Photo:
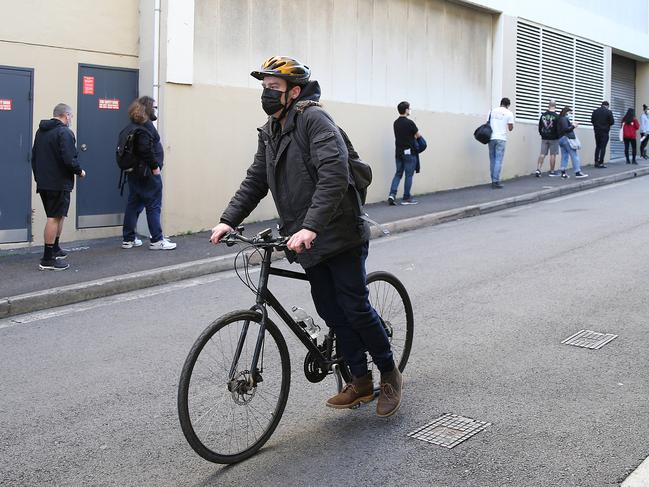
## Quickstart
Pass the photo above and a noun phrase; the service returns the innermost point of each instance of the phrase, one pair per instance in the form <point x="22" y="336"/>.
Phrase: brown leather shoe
<point x="359" y="390"/>
<point x="390" y="395"/>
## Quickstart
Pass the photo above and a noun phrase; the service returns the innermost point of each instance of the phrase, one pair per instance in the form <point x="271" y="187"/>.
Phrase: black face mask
<point x="271" y="101"/>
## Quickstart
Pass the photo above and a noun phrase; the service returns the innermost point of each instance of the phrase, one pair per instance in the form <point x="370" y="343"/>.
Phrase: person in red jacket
<point x="630" y="126"/>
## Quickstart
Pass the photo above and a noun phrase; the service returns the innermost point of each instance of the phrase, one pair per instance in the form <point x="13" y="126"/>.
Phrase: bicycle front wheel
<point x="227" y="420"/>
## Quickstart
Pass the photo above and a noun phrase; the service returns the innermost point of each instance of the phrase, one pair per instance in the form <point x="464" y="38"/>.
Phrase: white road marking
<point x="382" y="240"/>
<point x="119" y="298"/>
<point x="585" y="193"/>
<point x="518" y="208"/>
<point x="639" y="477"/>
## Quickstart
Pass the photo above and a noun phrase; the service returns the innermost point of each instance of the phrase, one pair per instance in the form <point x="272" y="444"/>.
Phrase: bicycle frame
<point x="265" y="297"/>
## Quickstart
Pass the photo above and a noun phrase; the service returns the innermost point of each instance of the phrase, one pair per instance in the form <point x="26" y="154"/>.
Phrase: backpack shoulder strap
<point x="298" y="136"/>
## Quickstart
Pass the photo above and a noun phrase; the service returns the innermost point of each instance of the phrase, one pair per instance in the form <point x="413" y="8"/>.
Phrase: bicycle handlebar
<point x="263" y="239"/>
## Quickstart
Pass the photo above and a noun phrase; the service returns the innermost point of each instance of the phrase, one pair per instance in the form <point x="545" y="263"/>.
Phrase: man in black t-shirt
<point x="405" y="135"/>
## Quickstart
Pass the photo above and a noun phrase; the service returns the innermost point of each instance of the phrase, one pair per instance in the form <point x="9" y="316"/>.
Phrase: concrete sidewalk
<point x="101" y="268"/>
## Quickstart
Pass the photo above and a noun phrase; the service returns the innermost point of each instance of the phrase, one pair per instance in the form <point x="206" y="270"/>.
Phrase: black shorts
<point x="56" y="203"/>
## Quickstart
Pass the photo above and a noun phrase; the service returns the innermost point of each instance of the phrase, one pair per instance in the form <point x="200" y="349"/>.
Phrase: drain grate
<point x="449" y="430"/>
<point x="589" y="339"/>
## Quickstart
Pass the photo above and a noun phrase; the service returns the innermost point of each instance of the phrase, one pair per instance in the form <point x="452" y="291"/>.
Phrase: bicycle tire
<point x="184" y="409"/>
<point x="406" y="322"/>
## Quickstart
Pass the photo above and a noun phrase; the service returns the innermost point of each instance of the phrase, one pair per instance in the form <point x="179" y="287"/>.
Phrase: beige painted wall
<point x="211" y="138"/>
<point x="367" y="55"/>
<point x="56" y="68"/>
<point x="207" y="152"/>
<point x="93" y="25"/>
<point x="641" y="86"/>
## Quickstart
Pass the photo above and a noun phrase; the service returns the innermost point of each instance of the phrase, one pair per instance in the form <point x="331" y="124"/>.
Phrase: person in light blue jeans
<point x="566" y="129"/>
<point x="568" y="153"/>
<point x="407" y="164"/>
<point x="496" y="156"/>
<point x="501" y="121"/>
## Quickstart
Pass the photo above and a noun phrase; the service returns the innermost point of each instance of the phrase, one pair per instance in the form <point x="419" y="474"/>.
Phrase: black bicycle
<point x="235" y="381"/>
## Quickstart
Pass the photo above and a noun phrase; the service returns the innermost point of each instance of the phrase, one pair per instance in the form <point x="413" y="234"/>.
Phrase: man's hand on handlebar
<point x="219" y="231"/>
<point x="301" y="241"/>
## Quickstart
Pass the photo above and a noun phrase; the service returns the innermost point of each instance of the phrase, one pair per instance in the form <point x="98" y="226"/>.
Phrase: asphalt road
<point x="88" y="392"/>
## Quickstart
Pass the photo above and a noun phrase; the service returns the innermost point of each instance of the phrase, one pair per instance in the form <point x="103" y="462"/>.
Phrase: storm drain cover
<point x="589" y="339"/>
<point x="448" y="430"/>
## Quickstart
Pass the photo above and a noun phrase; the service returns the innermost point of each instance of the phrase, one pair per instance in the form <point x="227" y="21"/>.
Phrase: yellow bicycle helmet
<point x="284" y="67"/>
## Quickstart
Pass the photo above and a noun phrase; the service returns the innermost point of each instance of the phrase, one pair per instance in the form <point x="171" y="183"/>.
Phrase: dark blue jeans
<point x="143" y="193"/>
<point x="339" y="290"/>
<point x="407" y="164"/>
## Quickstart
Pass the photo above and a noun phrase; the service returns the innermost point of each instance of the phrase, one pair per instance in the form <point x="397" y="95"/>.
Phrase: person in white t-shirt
<point x="501" y="121"/>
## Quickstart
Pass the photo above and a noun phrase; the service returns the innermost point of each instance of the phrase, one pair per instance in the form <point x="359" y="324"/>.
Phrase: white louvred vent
<point x="556" y="65"/>
<point x="528" y="71"/>
<point x="623" y="95"/>
<point x="589" y="79"/>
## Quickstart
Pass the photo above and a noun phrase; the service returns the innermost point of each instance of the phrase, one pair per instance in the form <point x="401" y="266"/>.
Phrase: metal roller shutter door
<point x="622" y="98"/>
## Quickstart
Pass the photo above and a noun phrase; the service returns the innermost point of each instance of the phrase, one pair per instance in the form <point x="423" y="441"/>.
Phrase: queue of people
<point x="557" y="132"/>
<point x="54" y="161"/>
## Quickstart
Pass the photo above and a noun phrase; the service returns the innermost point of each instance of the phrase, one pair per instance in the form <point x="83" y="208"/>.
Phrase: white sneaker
<point x="163" y="244"/>
<point x="129" y="245"/>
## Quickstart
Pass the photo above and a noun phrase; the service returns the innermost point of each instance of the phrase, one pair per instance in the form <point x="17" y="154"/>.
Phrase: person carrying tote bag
<point x="569" y="144"/>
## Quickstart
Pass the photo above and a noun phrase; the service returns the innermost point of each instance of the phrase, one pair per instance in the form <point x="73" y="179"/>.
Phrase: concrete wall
<point x="435" y="53"/>
<point x="367" y="54"/>
<point x="59" y="36"/>
<point x="205" y="168"/>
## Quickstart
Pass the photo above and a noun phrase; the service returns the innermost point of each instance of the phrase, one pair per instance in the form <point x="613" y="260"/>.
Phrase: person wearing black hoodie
<point x="54" y="162"/>
<point x="299" y="139"/>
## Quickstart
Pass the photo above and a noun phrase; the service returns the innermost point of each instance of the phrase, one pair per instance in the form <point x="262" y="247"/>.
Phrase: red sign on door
<point x="108" y="104"/>
<point x="88" y="85"/>
<point x="5" y="105"/>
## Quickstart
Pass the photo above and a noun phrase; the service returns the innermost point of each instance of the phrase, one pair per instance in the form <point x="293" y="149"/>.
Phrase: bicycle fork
<point x="260" y="306"/>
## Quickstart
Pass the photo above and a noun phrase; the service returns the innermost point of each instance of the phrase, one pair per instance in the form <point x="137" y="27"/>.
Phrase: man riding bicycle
<point x="322" y="216"/>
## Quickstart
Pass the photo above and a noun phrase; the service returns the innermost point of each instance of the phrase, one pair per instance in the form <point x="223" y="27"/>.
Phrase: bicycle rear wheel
<point x="388" y="296"/>
<point x="227" y="421"/>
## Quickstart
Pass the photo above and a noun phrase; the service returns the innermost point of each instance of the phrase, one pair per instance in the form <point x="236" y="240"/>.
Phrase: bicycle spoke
<point x="229" y="415"/>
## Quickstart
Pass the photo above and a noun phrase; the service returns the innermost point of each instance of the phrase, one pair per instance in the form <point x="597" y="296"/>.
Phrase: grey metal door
<point x="15" y="151"/>
<point x="104" y="96"/>
<point x="622" y="98"/>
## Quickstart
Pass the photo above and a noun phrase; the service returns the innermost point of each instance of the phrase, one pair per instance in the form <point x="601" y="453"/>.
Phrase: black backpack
<point x="125" y="156"/>
<point x="360" y="170"/>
